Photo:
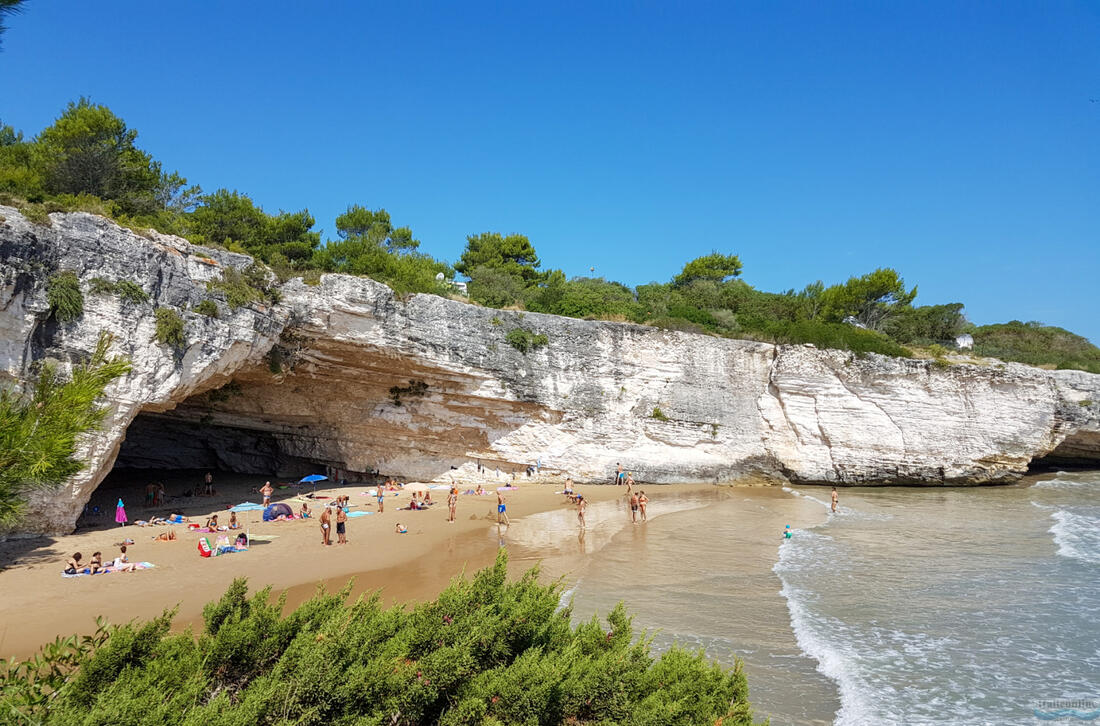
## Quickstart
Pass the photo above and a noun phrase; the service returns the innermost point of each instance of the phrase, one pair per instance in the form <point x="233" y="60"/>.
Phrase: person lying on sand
<point x="177" y="518"/>
<point x="168" y="536"/>
<point x="74" y="564"/>
<point x="401" y="529"/>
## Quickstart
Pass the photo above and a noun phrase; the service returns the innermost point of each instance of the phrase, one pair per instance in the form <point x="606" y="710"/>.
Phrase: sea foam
<point x="1077" y="534"/>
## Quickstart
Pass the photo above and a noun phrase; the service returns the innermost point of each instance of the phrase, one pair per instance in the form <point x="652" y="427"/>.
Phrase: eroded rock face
<point x="344" y="374"/>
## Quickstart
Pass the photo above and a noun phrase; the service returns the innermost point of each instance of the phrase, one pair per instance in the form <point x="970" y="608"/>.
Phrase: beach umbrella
<point x="314" y="478"/>
<point x="120" y="513"/>
<point x="246" y="507"/>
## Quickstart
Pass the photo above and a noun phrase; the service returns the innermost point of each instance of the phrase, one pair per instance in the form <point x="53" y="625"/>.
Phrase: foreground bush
<point x="486" y="652"/>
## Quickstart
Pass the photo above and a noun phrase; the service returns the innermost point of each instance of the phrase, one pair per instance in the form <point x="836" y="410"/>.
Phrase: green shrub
<point x="39" y="433"/>
<point x="1085" y="404"/>
<point x="37" y="214"/>
<point x="658" y="414"/>
<point x="1037" y="344"/>
<point x="63" y="293"/>
<point x="488" y="650"/>
<point x="524" y="340"/>
<point x="101" y="286"/>
<point x="130" y="292"/>
<point x="169" y="327"/>
<point x="208" y="308"/>
<point x="237" y="290"/>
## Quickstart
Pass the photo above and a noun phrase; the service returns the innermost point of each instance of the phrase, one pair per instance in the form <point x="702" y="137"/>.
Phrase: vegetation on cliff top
<point x="487" y="651"/>
<point x="39" y="431"/>
<point x="87" y="160"/>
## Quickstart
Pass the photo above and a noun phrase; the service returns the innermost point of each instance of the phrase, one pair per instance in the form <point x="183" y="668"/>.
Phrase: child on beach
<point x="122" y="562"/>
<point x="401" y="529"/>
<point x="304" y="512"/>
<point x="233" y="524"/>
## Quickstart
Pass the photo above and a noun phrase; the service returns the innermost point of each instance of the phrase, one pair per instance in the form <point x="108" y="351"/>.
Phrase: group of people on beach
<point x="95" y="566"/>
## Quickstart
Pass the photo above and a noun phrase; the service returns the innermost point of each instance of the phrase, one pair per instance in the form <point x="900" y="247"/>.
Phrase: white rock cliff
<point x="347" y="375"/>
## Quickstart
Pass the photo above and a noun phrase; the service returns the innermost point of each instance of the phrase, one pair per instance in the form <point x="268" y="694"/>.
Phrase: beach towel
<point x="358" y="514"/>
<point x="109" y="570"/>
<point x="120" y="513"/>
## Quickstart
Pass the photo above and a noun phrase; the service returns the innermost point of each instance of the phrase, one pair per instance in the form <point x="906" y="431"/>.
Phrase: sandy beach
<point x="37" y="604"/>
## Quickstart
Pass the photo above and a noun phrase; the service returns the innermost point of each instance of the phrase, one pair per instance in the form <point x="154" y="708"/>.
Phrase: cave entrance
<point x="1079" y="450"/>
<point x="178" y="448"/>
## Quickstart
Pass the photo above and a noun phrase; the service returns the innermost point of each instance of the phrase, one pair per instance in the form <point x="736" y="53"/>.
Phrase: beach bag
<point x="204" y="547"/>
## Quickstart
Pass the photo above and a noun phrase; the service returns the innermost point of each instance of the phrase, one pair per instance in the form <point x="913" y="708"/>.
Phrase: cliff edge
<point x="345" y="374"/>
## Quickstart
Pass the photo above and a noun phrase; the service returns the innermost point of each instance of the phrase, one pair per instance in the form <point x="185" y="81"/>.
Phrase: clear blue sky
<point x="954" y="141"/>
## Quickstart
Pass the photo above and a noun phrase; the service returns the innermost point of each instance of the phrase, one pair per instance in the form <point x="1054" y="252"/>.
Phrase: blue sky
<point x="954" y="141"/>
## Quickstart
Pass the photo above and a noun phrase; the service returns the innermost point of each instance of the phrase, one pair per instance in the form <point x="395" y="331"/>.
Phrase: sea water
<point x="909" y="606"/>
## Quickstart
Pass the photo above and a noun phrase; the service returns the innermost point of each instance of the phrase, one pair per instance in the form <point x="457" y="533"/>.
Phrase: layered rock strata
<point x="345" y="374"/>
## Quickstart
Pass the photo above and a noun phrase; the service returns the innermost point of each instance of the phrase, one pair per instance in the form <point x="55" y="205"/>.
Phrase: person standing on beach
<point x="502" y="514"/>
<point x="836" y="498"/>
<point x="208" y="485"/>
<point x="618" y="473"/>
<point x="326" y="533"/>
<point x="642" y="501"/>
<point x="267" y="491"/>
<point x="452" y="503"/>
<point x="341" y="525"/>
<point x="381" y="498"/>
<point x="634" y="508"/>
<point x="581" y="506"/>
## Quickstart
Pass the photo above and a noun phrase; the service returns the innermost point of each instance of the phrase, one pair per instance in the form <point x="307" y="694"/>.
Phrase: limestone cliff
<point x="348" y="375"/>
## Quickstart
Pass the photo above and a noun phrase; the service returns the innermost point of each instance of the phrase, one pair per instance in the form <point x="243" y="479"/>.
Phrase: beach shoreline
<point x="37" y="604"/>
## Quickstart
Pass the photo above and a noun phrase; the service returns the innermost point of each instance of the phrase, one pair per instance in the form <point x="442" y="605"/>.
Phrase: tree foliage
<point x="8" y="7"/>
<point x="232" y="220"/>
<point x="715" y="267"/>
<point x="871" y="299"/>
<point x="39" y="432"/>
<point x="513" y="254"/>
<point x="88" y="160"/>
<point x="487" y="651"/>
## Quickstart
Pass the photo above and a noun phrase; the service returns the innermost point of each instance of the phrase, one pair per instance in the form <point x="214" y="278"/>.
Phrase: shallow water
<point x="910" y="606"/>
<point x="698" y="574"/>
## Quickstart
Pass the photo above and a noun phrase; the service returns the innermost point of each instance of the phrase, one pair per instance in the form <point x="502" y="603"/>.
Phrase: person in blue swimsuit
<point x="502" y="514"/>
